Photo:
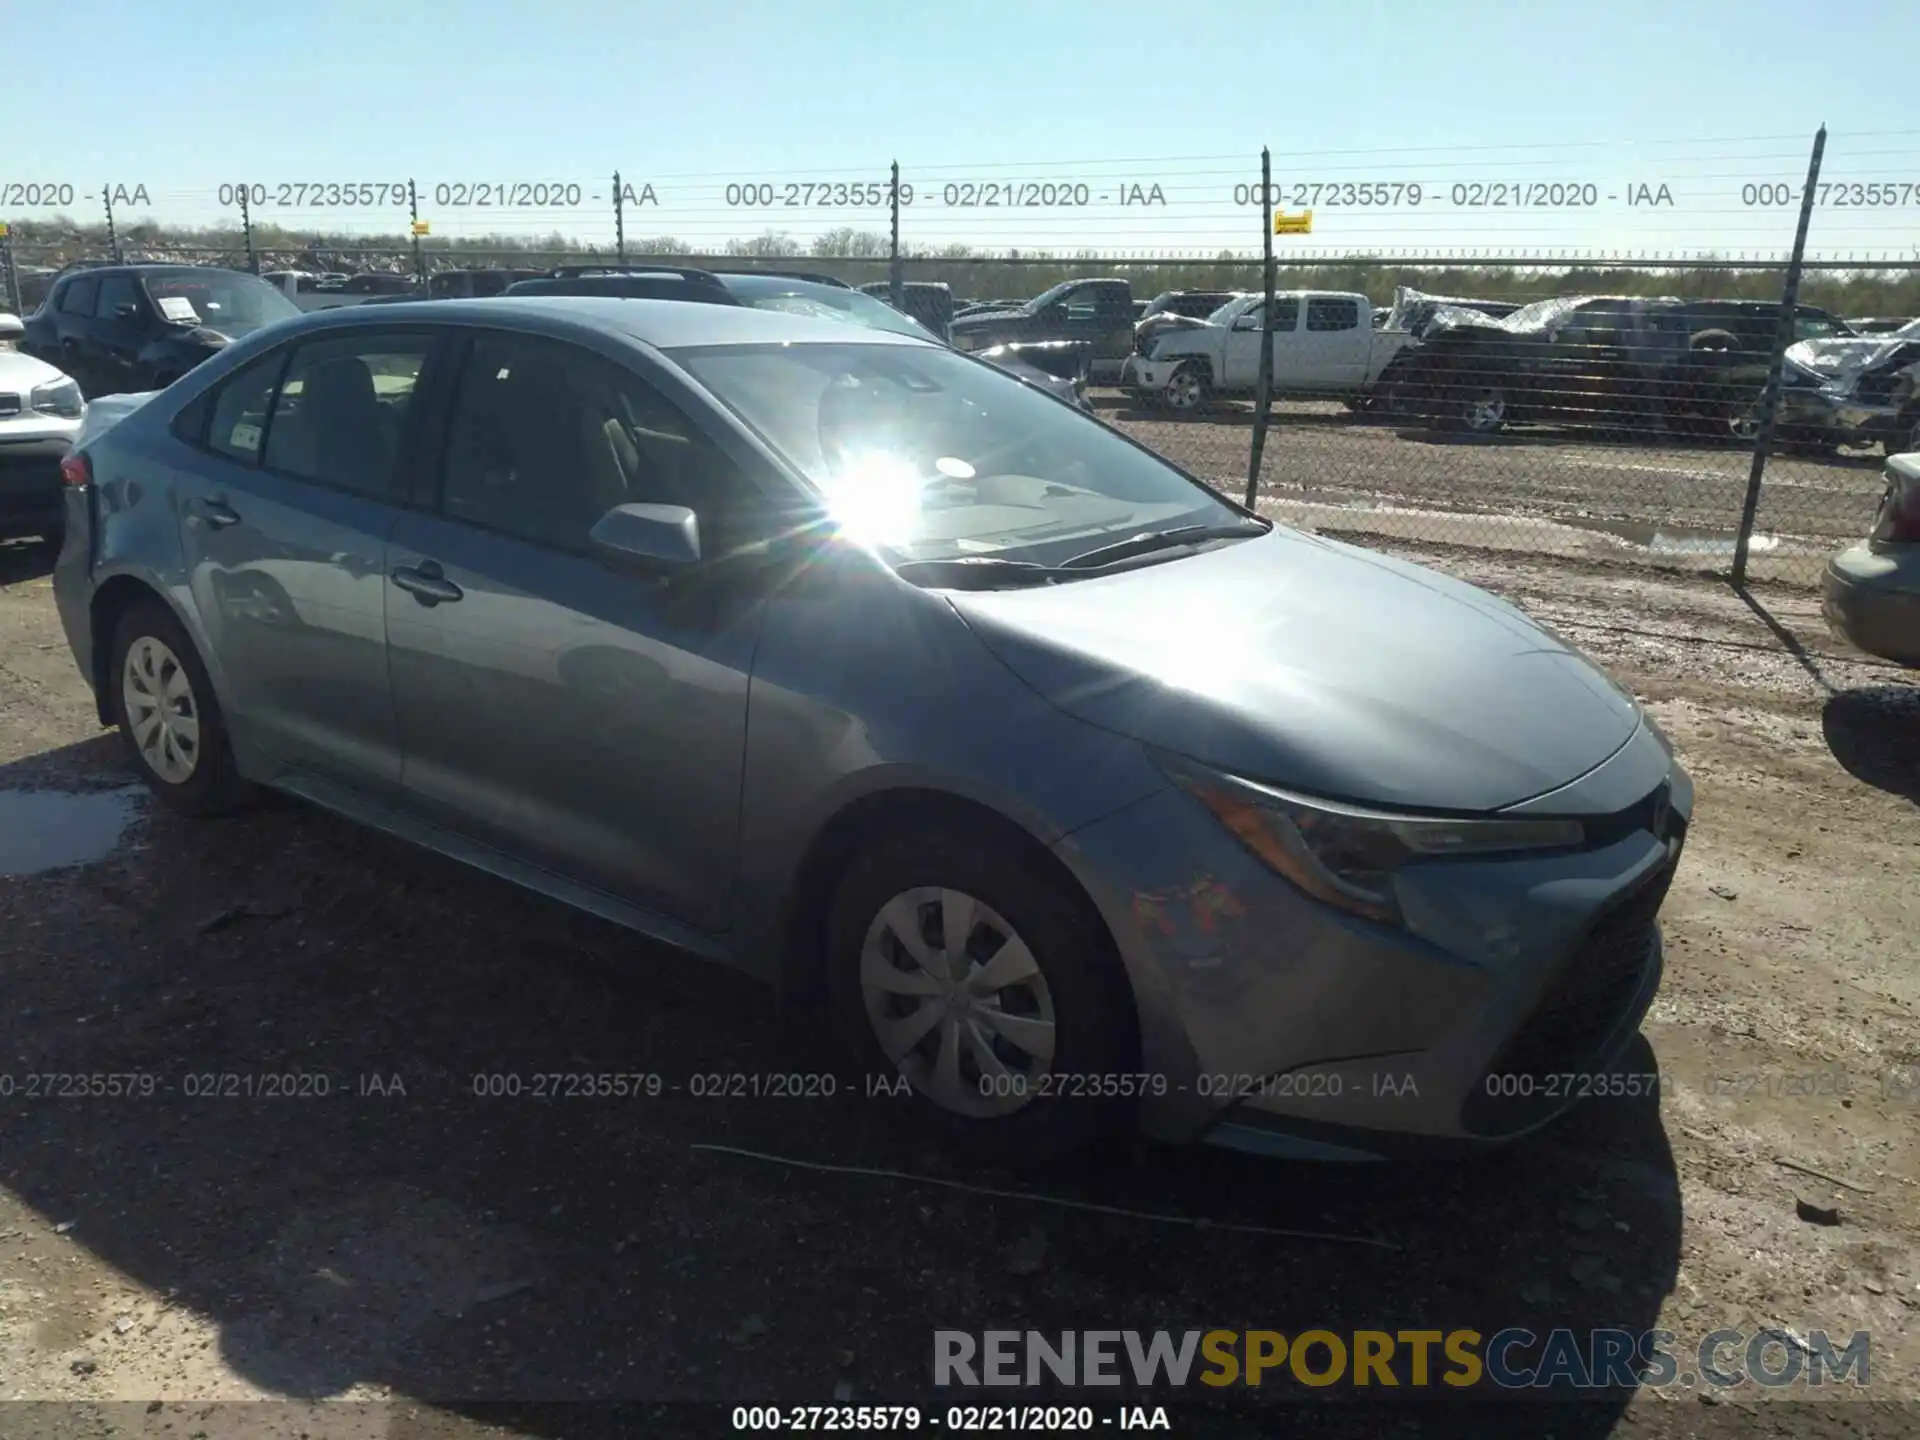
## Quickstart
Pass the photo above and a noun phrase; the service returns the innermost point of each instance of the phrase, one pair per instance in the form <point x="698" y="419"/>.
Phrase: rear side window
<point x="240" y="409"/>
<point x="78" y="297"/>
<point x="342" y="409"/>
<point x="1330" y="312"/>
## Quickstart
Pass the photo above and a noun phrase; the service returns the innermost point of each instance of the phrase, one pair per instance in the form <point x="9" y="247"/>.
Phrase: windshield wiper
<point x="1147" y="541"/>
<point x="978" y="572"/>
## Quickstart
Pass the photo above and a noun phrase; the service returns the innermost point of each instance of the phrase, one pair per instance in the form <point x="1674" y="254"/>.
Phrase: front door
<point x="284" y="526"/>
<point x="1241" y="363"/>
<point x="563" y="711"/>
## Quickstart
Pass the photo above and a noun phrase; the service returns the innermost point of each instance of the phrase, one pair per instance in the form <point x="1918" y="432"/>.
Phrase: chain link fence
<point x="1639" y="353"/>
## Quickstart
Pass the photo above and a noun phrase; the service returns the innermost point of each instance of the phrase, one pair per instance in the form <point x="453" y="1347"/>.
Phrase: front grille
<point x="1583" y="1005"/>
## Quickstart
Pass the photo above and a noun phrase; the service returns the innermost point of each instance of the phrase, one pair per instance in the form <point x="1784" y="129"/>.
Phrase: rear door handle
<point x="216" y="513"/>
<point x="426" y="583"/>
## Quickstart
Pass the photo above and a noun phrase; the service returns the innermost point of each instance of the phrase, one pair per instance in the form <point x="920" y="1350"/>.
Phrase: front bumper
<point x="1270" y="1022"/>
<point x="1871" y="599"/>
<point x="1836" y="417"/>
<point x="31" y="493"/>
<point x="1148" y="376"/>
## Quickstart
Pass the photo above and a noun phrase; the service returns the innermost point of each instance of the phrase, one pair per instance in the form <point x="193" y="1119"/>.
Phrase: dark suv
<point x="118" y="328"/>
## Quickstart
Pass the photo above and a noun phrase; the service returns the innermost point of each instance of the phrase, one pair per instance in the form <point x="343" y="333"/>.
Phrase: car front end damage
<point x="1489" y="994"/>
<point x="1846" y="392"/>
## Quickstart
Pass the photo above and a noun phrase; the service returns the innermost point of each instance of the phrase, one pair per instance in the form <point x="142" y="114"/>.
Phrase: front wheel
<point x="974" y="979"/>
<point x="167" y="714"/>
<point x="1186" y="389"/>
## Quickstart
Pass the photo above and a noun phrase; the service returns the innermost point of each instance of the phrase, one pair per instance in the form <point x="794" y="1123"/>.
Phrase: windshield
<point x="935" y="456"/>
<point x="1225" y="313"/>
<point x="1053" y="296"/>
<point x="222" y="300"/>
<point x="825" y="302"/>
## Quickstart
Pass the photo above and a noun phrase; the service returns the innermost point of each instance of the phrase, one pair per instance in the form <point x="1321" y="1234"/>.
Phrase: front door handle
<point x="426" y="584"/>
<point x="216" y="513"/>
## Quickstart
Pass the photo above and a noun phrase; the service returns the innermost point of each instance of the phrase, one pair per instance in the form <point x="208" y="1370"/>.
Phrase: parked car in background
<point x="1880" y="324"/>
<point x="928" y="301"/>
<point x="1099" y="312"/>
<point x="1614" y="363"/>
<point x="1058" y="368"/>
<point x="1175" y="310"/>
<point x="831" y="654"/>
<point x="1872" y="593"/>
<point x="117" y="328"/>
<point x="475" y="283"/>
<point x="1413" y="310"/>
<point x="40" y="413"/>
<point x="1324" y="345"/>
<point x="1854" y="390"/>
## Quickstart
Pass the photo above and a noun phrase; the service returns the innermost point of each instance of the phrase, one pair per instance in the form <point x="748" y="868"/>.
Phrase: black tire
<point x="214" y="786"/>
<point x="1092" y="1005"/>
<point x="1713" y="340"/>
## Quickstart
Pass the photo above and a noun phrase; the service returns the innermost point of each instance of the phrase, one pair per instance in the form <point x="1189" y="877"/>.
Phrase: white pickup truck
<point x="1324" y="346"/>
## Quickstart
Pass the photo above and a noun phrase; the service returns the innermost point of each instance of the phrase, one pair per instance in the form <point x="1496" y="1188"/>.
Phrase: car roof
<point x="666" y="324"/>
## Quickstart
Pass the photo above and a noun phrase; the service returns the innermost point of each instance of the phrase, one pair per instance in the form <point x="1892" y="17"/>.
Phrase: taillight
<point x="76" y="470"/>
<point x="1899" y="517"/>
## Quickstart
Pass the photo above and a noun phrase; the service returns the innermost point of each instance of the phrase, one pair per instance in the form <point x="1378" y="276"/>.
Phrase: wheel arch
<point x="848" y="831"/>
<point x="111" y="599"/>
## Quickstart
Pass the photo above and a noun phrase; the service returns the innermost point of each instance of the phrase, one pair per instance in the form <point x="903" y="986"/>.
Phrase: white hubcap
<point x="1183" y="390"/>
<point x="958" y="1002"/>
<point x="161" y="711"/>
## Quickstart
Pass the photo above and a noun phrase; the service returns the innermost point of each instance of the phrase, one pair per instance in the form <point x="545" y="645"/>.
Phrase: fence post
<point x="619" y="221"/>
<point x="413" y="216"/>
<point x="1770" y="396"/>
<point x="246" y="229"/>
<point x="1263" y="392"/>
<point x="113" y="236"/>
<point x="895" y="279"/>
<point x="8" y="274"/>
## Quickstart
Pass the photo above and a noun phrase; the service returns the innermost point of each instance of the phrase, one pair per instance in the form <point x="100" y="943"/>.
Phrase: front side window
<point x="240" y="409"/>
<point x="116" y="291"/>
<point x="1286" y="312"/>
<point x="934" y="456"/>
<point x="547" y="437"/>
<point x="342" y="408"/>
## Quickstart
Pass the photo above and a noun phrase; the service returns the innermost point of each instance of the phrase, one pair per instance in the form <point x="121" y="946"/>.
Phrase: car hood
<point x="1847" y="358"/>
<point x="20" y="373"/>
<point x="1319" y="667"/>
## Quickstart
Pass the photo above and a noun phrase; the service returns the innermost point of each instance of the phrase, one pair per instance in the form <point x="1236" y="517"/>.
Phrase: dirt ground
<point x="402" y="1257"/>
<point x="1574" y="493"/>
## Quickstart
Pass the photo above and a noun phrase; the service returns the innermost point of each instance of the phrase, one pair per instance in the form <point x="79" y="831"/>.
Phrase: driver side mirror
<point x="125" y="311"/>
<point x="1246" y="322"/>
<point x="648" y="539"/>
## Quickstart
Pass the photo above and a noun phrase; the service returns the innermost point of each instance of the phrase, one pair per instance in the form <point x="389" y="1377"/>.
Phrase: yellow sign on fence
<point x="1301" y="224"/>
<point x="421" y="227"/>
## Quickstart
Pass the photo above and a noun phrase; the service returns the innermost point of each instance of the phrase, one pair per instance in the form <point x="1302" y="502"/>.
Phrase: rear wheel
<point x="975" y="978"/>
<point x="1483" y="408"/>
<point x="168" y="717"/>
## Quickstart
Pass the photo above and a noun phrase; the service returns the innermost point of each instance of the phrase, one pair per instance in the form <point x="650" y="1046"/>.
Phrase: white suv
<point x="40" y="414"/>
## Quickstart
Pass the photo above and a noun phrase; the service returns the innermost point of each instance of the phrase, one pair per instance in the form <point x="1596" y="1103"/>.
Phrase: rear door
<point x="284" y="524"/>
<point x="73" y="349"/>
<point x="123" y="323"/>
<point x="1334" y="339"/>
<point x="570" y="714"/>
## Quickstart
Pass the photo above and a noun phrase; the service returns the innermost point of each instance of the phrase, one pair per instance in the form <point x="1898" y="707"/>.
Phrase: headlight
<point x="58" y="397"/>
<point x="1346" y="855"/>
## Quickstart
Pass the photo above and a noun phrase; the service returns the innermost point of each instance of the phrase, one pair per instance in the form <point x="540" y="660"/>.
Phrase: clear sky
<point x="1708" y="99"/>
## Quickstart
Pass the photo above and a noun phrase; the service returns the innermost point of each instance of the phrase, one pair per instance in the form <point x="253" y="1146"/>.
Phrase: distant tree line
<point x="860" y="256"/>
